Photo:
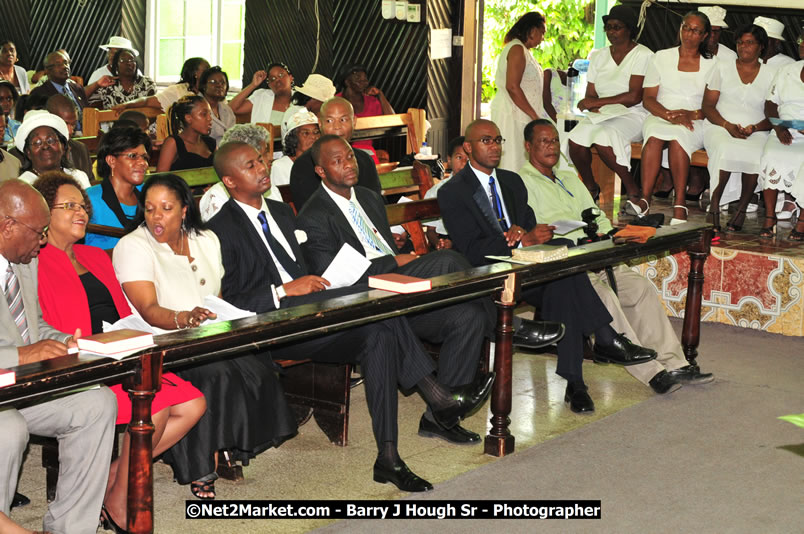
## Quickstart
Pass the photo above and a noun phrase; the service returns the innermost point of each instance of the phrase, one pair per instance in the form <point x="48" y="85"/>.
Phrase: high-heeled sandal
<point x="731" y="226"/>
<point x="795" y="234"/>
<point x="674" y="221"/>
<point x="108" y="523"/>
<point x="768" y="232"/>
<point x="633" y="208"/>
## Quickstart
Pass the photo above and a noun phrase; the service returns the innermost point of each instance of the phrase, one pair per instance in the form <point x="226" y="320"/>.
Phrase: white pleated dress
<point x="742" y="104"/>
<point x="677" y="90"/>
<point x="782" y="166"/>
<point x="611" y="79"/>
<point x="509" y="118"/>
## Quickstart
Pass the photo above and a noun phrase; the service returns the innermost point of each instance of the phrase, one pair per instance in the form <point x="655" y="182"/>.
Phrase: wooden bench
<point x="141" y="374"/>
<point x="610" y="184"/>
<point x="92" y="119"/>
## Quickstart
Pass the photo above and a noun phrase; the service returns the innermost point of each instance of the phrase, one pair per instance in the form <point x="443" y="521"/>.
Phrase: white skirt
<point x="617" y="132"/>
<point x="782" y="166"/>
<point x="690" y="141"/>
<point x="727" y="153"/>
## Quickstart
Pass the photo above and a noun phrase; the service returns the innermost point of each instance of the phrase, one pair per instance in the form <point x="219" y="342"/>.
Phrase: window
<point x="181" y="29"/>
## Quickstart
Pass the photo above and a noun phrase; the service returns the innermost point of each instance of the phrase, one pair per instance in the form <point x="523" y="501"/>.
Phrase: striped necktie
<point x="494" y="198"/>
<point x="15" y="306"/>
<point x="370" y="238"/>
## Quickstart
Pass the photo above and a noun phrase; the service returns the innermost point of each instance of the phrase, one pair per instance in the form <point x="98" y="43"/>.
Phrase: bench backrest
<point x="92" y="118"/>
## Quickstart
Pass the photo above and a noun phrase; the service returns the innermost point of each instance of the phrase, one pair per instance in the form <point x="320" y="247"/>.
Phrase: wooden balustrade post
<point x="499" y="440"/>
<point x="141" y="389"/>
<point x="691" y="331"/>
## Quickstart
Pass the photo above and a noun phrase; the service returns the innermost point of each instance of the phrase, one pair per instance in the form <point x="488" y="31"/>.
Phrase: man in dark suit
<point x="265" y="270"/>
<point x="78" y="153"/>
<point x="82" y="422"/>
<point x="336" y="117"/>
<point x="339" y="212"/>
<point x="57" y="66"/>
<point x="486" y="212"/>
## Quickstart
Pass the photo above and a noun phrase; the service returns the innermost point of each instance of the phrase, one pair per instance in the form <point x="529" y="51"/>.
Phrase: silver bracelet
<point x="176" y="319"/>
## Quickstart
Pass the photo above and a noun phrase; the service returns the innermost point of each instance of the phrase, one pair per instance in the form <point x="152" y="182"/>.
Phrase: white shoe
<point x="785" y="215"/>
<point x="676" y="222"/>
<point x="632" y="208"/>
<point x="752" y="208"/>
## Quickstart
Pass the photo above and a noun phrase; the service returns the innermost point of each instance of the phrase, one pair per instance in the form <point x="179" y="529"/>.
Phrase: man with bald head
<point x="78" y="153"/>
<point x="265" y="271"/>
<point x="83" y="422"/>
<point x="486" y="212"/>
<point x="57" y="66"/>
<point x="336" y="117"/>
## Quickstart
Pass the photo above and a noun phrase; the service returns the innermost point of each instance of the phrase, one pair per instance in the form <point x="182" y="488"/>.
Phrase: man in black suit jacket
<point x="460" y="328"/>
<point x="479" y="228"/>
<point x="265" y="270"/>
<point x="58" y="82"/>
<point x="336" y="117"/>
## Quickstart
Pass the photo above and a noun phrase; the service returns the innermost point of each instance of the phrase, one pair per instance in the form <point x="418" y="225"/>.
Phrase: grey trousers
<point x="638" y="313"/>
<point x="83" y="423"/>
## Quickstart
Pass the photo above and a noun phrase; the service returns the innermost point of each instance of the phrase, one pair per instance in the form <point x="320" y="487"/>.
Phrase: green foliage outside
<point x="797" y="419"/>
<point x="568" y="36"/>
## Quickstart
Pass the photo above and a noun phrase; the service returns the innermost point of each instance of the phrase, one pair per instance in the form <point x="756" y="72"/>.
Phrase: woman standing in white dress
<point x="736" y="128"/>
<point x="782" y="165"/>
<point x="673" y="91"/>
<point x="614" y="85"/>
<point x="519" y="80"/>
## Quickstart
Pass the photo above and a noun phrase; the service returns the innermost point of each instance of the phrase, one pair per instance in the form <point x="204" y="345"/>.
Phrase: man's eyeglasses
<point x="41" y="233"/>
<point x="72" y="206"/>
<point x="487" y="140"/>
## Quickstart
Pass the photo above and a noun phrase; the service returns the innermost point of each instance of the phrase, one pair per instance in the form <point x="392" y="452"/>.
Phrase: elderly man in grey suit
<point x="83" y="422"/>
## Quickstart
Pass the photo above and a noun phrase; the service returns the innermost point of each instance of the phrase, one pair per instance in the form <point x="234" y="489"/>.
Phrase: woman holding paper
<point x="167" y="266"/>
<point x="78" y="289"/>
<point x="614" y="100"/>
<point x="783" y="159"/>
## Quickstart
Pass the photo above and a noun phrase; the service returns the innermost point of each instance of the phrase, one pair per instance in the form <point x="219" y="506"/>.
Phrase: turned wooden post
<point x="141" y="389"/>
<point x="499" y="440"/>
<point x="691" y="331"/>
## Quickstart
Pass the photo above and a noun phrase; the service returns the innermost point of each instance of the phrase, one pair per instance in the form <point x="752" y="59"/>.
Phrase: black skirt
<point x="246" y="413"/>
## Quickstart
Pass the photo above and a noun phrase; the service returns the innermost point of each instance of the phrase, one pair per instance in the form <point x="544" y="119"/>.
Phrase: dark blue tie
<point x="288" y="263"/>
<point x="495" y="203"/>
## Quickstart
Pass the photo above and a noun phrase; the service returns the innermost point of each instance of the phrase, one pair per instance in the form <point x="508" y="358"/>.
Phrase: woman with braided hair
<point x="189" y="145"/>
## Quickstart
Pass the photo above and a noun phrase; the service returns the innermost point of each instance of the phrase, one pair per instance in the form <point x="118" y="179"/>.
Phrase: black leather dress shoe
<point x="691" y="374"/>
<point x="623" y="352"/>
<point x="538" y="334"/>
<point x="400" y="476"/>
<point x="19" y="500"/>
<point x="457" y="434"/>
<point x="467" y="399"/>
<point x="662" y="382"/>
<point x="579" y="399"/>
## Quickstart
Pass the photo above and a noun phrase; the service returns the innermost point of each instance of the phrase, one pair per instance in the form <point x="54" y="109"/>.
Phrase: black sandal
<point x="768" y="232"/>
<point x="107" y="523"/>
<point x="731" y="226"/>
<point x="204" y="485"/>
<point x="796" y="235"/>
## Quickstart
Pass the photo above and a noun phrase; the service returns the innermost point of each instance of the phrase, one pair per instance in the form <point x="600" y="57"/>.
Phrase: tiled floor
<point x="749" y="281"/>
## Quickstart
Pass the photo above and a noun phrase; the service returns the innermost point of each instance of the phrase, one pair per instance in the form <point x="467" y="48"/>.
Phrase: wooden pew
<point x="610" y="184"/>
<point x="142" y="373"/>
<point x="92" y="118"/>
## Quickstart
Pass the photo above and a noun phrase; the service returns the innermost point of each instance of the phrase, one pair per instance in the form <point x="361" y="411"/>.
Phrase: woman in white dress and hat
<point x="519" y="80"/>
<point x="614" y="85"/>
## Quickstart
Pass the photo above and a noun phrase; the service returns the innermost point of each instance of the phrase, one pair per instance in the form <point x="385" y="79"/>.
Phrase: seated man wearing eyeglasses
<point x="637" y="311"/>
<point x="486" y="212"/>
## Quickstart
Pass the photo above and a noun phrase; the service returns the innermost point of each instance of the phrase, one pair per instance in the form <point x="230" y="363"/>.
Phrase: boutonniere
<point x="301" y="236"/>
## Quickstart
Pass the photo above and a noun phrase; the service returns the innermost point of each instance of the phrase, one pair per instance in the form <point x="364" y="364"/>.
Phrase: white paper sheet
<point x="607" y="112"/>
<point x="346" y="268"/>
<point x="566" y="226"/>
<point x="224" y="310"/>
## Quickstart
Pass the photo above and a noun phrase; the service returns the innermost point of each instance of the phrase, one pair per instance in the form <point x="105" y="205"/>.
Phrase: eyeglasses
<point x="129" y="60"/>
<point x="279" y="76"/>
<point x="308" y="133"/>
<point x="71" y="206"/>
<point x="41" y="233"/>
<point x="487" y="140"/>
<point x="749" y="42"/>
<point x="133" y="156"/>
<point x="216" y="82"/>
<point x="690" y="29"/>
<point x="613" y="27"/>
<point x="49" y="141"/>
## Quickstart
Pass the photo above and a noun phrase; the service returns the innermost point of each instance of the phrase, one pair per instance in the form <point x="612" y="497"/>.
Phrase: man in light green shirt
<point x="637" y="311"/>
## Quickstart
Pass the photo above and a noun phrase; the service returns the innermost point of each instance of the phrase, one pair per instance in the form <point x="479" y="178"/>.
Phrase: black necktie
<point x="288" y="263"/>
<point x="495" y="203"/>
